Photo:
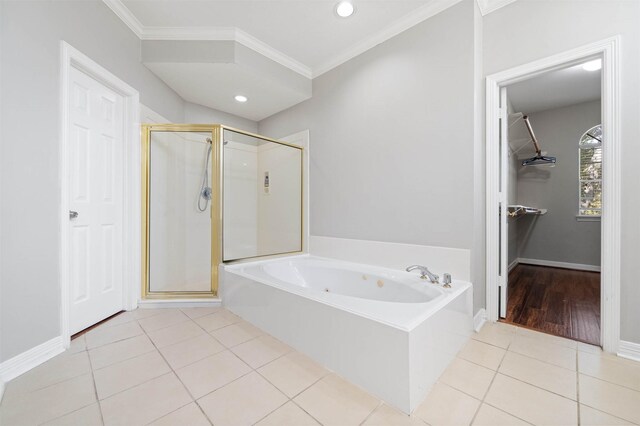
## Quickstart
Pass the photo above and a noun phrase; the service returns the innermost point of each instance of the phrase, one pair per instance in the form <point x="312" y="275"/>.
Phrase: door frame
<point x="73" y="58"/>
<point x="609" y="50"/>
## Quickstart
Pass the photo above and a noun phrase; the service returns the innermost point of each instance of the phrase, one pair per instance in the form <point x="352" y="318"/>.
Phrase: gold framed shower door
<point x="217" y="155"/>
<point x="216" y="207"/>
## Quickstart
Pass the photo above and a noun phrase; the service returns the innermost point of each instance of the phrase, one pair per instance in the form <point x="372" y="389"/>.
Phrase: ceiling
<point x="301" y="37"/>
<point x="308" y="31"/>
<point x="555" y="89"/>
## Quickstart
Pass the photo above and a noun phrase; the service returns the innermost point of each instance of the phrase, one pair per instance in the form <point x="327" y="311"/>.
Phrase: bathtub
<point x="387" y="331"/>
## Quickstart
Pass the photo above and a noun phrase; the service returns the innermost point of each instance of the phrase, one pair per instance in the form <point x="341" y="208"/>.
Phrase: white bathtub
<point x="388" y="331"/>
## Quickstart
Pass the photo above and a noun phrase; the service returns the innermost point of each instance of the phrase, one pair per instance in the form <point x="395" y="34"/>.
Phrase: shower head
<point x="209" y="141"/>
<point x="540" y="160"/>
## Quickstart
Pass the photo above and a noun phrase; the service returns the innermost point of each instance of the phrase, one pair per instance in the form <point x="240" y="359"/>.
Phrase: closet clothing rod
<point x="533" y="136"/>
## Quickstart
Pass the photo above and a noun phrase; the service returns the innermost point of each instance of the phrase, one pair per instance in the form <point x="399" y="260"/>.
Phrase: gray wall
<point x="557" y="235"/>
<point x="31" y="33"/>
<point x="198" y="114"/>
<point x="528" y="30"/>
<point x="392" y="137"/>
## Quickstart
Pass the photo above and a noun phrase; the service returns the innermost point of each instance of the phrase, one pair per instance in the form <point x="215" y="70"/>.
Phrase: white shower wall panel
<point x="279" y="209"/>
<point x="240" y="214"/>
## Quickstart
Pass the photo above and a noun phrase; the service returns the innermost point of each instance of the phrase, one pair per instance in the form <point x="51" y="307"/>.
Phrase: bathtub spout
<point x="424" y="273"/>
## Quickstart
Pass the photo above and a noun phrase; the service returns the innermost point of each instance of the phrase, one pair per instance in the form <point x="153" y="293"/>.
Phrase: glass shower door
<point x="181" y="196"/>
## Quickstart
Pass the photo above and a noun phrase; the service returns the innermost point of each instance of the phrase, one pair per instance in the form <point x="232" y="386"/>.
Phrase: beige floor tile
<point x="610" y="368"/>
<point x="334" y="401"/>
<point x="104" y="336"/>
<point x="217" y="320"/>
<point x="260" y="351"/>
<point x="175" y="333"/>
<point x="446" y="406"/>
<point x="121" y="318"/>
<point x="191" y="350"/>
<point x="120" y="351"/>
<point x="141" y="313"/>
<point x="194" y="313"/>
<point x="57" y="369"/>
<point x="542" y="350"/>
<point x="612" y="399"/>
<point x="242" y="402"/>
<point x="146" y="402"/>
<point x="592" y="349"/>
<point x="127" y="374"/>
<point x="385" y="415"/>
<point x="212" y="373"/>
<point x="491" y="416"/>
<point x="468" y="377"/>
<point x="162" y="320"/>
<point x="235" y="334"/>
<point x="497" y="334"/>
<point x="482" y="353"/>
<point x="288" y="415"/>
<point x="293" y="373"/>
<point x="592" y="417"/>
<point x="530" y="403"/>
<point x="78" y="344"/>
<point x="48" y="403"/>
<point x="541" y="374"/>
<point x="557" y="340"/>
<point x="87" y="416"/>
<point x="189" y="415"/>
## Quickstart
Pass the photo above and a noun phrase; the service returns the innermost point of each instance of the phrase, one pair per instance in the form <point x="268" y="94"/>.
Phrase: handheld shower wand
<point x="205" y="189"/>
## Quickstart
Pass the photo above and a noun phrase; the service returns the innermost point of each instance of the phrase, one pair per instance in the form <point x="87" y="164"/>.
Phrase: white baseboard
<point x="179" y="303"/>
<point x="19" y="364"/>
<point x="479" y="319"/>
<point x="629" y="350"/>
<point x="554" y="264"/>
<point x="512" y="264"/>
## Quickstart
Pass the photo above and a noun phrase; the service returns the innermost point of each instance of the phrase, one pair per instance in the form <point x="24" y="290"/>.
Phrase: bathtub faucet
<point x="424" y="273"/>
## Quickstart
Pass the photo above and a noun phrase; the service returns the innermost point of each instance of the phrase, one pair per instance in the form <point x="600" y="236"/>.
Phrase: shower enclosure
<point x="214" y="194"/>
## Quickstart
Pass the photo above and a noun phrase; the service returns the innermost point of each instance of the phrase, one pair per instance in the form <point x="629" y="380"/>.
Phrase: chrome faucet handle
<point x="447" y="281"/>
<point x="424" y="273"/>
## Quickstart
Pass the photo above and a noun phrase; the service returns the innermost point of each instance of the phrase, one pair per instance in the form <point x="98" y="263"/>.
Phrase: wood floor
<point x="557" y="301"/>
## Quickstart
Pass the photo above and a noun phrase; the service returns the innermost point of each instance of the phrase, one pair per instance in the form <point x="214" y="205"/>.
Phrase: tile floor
<point x="206" y="366"/>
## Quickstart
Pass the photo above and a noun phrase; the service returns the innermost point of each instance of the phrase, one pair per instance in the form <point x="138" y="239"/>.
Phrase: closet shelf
<point x="518" y="210"/>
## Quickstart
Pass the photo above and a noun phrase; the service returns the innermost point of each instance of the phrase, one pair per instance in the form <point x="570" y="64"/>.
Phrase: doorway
<point x="553" y="171"/>
<point x="99" y="201"/>
<point x="531" y="277"/>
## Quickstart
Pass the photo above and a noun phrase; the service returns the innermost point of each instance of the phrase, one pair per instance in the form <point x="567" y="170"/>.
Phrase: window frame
<point x="580" y="216"/>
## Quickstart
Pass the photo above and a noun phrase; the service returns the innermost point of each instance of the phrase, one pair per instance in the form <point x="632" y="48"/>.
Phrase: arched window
<point x="590" y="172"/>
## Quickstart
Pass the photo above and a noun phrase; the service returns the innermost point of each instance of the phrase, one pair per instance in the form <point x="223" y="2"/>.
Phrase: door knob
<point x="72" y="214"/>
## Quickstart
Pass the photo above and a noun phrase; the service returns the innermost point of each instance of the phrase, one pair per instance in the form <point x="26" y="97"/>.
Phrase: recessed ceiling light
<point x="592" y="65"/>
<point x="241" y="98"/>
<point x="344" y="9"/>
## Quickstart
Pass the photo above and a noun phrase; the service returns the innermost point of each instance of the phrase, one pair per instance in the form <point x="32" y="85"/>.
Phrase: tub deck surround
<point x="387" y="331"/>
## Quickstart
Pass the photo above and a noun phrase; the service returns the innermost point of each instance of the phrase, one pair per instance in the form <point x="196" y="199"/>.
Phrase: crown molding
<point x="126" y="16"/>
<point x="234" y="34"/>
<point x="421" y="14"/>
<point x="205" y="33"/>
<point x="264" y="49"/>
<point x="189" y="33"/>
<point x="488" y="6"/>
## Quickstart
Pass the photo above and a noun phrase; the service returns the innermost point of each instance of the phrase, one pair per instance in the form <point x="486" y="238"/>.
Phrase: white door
<point x="95" y="201"/>
<point x="503" y="268"/>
